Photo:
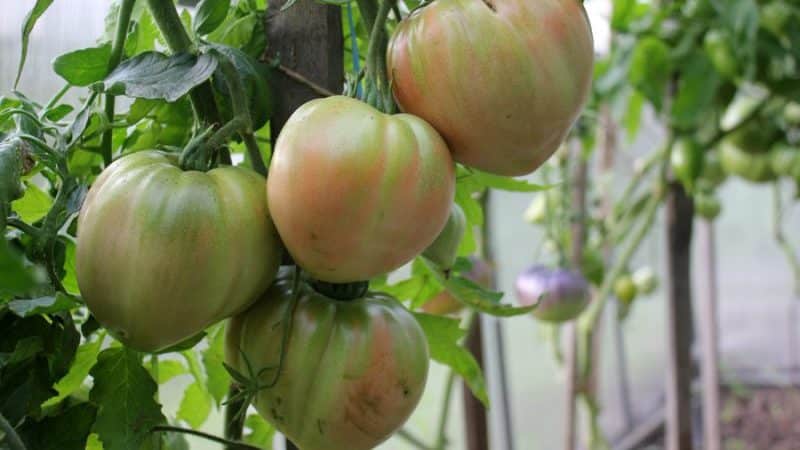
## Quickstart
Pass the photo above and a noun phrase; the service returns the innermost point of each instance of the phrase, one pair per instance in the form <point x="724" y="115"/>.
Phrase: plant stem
<point x="234" y="421"/>
<point x="59" y="95"/>
<point x="210" y="437"/>
<point x="441" y="436"/>
<point x="11" y="436"/>
<point x="202" y="97"/>
<point x="780" y="238"/>
<point x="24" y="227"/>
<point x="117" y="49"/>
<point x="303" y="80"/>
<point x="411" y="439"/>
<point x="241" y="110"/>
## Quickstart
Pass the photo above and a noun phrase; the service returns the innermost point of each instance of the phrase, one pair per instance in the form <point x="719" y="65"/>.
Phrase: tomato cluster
<point x="351" y="193"/>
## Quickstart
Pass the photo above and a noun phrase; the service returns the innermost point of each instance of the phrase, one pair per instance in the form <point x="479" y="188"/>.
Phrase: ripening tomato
<point x="352" y="371"/>
<point x="356" y="193"/>
<point x="560" y="295"/>
<point x="163" y="253"/>
<point x="502" y="80"/>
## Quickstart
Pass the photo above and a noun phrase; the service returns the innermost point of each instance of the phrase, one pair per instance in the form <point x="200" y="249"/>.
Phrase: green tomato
<point x="775" y="15"/>
<point x="687" y="162"/>
<point x="719" y="50"/>
<point x="541" y="204"/>
<point x="707" y="205"/>
<point x="645" y="280"/>
<point x="162" y="253"/>
<point x="791" y="113"/>
<point x="713" y="174"/>
<point x="444" y="250"/>
<point x="352" y="371"/>
<point x="625" y="289"/>
<point x="786" y="161"/>
<point x="755" y="167"/>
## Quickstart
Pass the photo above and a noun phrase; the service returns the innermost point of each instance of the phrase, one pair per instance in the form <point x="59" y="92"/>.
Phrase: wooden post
<point x="306" y="38"/>
<point x="680" y="215"/>
<point x="709" y="337"/>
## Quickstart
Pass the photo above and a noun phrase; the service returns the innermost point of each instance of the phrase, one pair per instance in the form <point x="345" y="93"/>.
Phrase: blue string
<point x="354" y="46"/>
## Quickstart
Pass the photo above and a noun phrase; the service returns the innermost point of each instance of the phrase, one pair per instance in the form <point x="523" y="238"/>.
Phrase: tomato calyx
<point x="341" y="291"/>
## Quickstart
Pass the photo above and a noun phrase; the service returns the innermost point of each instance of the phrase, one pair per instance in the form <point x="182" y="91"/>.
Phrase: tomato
<point x="560" y="294"/>
<point x="356" y="193"/>
<point x="698" y="9"/>
<point x="502" y="80"/>
<point x="687" y="162"/>
<point x="707" y="205"/>
<point x="352" y="373"/>
<point x="163" y="253"/>
<point x="756" y="167"/>
<point x="712" y="174"/>
<point x="444" y="303"/>
<point x="444" y="250"/>
<point x="786" y="161"/>
<point x="775" y="15"/>
<point x="645" y="280"/>
<point x="719" y="50"/>
<point x="625" y="289"/>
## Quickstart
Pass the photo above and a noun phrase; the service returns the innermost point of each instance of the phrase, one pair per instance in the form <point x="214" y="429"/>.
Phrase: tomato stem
<point x="341" y="291"/>
<point x="169" y="23"/>
<point x="11" y="436"/>
<point x="117" y="50"/>
<point x="207" y="436"/>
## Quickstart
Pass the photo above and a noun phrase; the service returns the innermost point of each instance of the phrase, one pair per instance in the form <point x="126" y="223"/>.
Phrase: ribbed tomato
<point x="356" y="193"/>
<point x="163" y="253"/>
<point x="352" y="373"/>
<point x="502" y="80"/>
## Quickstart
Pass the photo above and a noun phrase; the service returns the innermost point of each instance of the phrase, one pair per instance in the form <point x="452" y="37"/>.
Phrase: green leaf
<point x="195" y="405"/>
<point x="154" y="75"/>
<point x="210" y="15"/>
<point x="124" y="393"/>
<point x="66" y="431"/>
<point x="33" y="205"/>
<point x="697" y="89"/>
<point x="167" y="370"/>
<point x="651" y="69"/>
<point x="507" y="183"/>
<point x="11" y="166"/>
<point x="59" y="112"/>
<point x="43" y="305"/>
<point x="85" y="359"/>
<point x="476" y="297"/>
<point x="15" y="278"/>
<point x="93" y="442"/>
<point x="85" y="66"/>
<point x="239" y="32"/>
<point x="27" y="26"/>
<point x="260" y="432"/>
<point x="443" y="335"/>
<point x="217" y="378"/>
<point x="632" y="119"/>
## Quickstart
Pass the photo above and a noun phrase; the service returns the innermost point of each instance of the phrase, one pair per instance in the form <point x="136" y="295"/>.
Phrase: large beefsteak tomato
<point x="351" y="372"/>
<point x="356" y="193"/>
<point x="502" y="80"/>
<point x="163" y="253"/>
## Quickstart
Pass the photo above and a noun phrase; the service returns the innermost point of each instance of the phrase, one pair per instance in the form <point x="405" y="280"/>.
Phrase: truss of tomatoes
<point x="351" y="193"/>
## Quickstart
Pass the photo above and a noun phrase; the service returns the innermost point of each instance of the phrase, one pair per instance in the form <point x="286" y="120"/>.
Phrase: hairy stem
<point x="117" y="49"/>
<point x="411" y="439"/>
<point x="234" y="421"/>
<point x="11" y="436"/>
<point x="441" y="436"/>
<point x="231" y="444"/>
<point x="202" y="97"/>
